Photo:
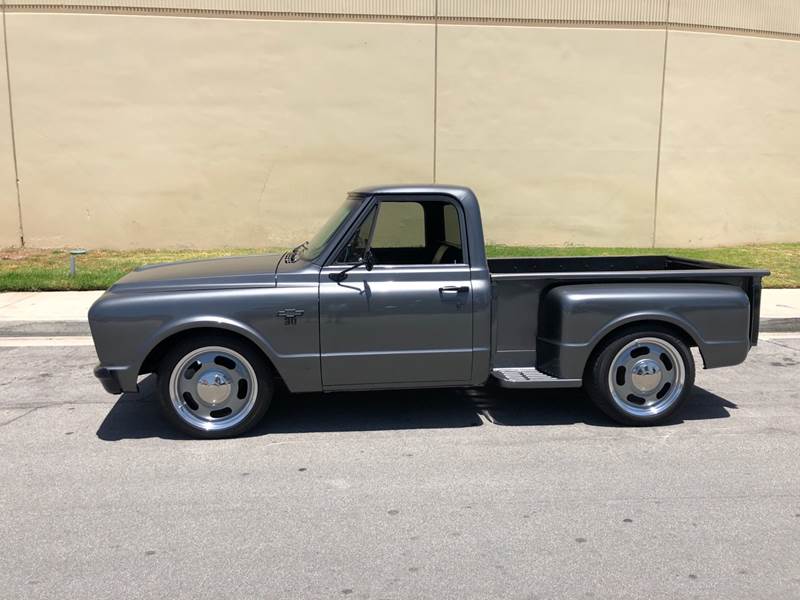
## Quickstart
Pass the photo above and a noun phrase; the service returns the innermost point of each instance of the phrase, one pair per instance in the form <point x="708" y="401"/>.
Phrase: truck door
<point x="409" y="320"/>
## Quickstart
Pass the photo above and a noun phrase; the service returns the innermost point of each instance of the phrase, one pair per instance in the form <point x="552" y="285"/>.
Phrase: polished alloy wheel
<point x="213" y="388"/>
<point x="646" y="377"/>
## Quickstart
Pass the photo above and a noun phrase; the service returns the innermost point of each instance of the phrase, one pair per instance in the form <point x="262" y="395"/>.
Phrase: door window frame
<point x="375" y="202"/>
<point x="350" y="233"/>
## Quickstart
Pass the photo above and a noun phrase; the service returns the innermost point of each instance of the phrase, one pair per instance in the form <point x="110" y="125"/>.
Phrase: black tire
<point x="606" y="391"/>
<point x="255" y="405"/>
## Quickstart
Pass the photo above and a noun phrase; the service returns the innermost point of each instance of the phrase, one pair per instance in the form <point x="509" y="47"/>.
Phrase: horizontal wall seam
<point x="391" y="18"/>
<point x="216" y="13"/>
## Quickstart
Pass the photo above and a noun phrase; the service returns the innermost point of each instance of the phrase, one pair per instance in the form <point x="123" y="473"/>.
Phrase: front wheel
<point x="214" y="386"/>
<point x="641" y="376"/>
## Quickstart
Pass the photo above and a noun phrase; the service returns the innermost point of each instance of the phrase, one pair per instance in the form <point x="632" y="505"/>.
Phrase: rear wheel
<point x="641" y="376"/>
<point x="214" y="386"/>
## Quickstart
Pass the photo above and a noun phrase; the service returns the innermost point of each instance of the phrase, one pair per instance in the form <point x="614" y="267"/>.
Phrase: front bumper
<point x="109" y="379"/>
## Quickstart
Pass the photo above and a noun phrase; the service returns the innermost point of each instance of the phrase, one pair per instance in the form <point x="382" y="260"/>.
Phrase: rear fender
<point x="574" y="319"/>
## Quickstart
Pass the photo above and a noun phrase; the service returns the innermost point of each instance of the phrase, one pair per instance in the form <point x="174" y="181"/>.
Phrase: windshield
<point x="318" y="243"/>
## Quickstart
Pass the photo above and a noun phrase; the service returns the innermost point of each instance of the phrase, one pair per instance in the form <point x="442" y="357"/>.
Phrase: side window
<point x="408" y="232"/>
<point x="355" y="248"/>
<point x="447" y="247"/>
<point x="400" y="225"/>
<point x="452" y="231"/>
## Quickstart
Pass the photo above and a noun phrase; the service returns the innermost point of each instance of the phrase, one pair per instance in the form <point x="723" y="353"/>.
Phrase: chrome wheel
<point x="213" y="388"/>
<point x="646" y="377"/>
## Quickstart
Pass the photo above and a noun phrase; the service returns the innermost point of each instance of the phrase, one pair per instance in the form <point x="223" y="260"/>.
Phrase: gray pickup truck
<point x="395" y="291"/>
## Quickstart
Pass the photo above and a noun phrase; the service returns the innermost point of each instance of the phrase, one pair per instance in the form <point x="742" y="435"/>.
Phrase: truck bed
<point x="521" y="283"/>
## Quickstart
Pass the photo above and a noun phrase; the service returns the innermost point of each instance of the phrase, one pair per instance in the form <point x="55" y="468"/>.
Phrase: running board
<point x="530" y="377"/>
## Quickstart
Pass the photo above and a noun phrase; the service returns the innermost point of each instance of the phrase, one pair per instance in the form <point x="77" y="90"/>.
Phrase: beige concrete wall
<point x="145" y="131"/>
<point x="730" y="158"/>
<point x="555" y="128"/>
<point x="167" y="130"/>
<point x="9" y="214"/>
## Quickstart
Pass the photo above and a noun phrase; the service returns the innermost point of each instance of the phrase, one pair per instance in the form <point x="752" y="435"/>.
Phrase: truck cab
<point x="422" y="310"/>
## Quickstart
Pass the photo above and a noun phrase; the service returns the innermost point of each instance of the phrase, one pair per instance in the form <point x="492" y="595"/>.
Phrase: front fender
<point x="574" y="319"/>
<point x="176" y="327"/>
<point x="127" y="327"/>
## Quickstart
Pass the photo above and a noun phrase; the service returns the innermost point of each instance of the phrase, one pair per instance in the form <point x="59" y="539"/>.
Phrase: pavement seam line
<point x="772" y="341"/>
<point x="18" y="417"/>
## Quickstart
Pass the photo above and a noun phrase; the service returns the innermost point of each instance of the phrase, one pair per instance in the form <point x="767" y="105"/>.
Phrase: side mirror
<point x="367" y="261"/>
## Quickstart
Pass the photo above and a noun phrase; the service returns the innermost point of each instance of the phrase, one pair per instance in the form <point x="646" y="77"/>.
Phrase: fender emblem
<point x="290" y="315"/>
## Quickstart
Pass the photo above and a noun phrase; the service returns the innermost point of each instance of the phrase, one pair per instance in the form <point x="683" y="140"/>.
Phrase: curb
<point x="78" y="328"/>
<point x="780" y="325"/>
<point x="43" y="328"/>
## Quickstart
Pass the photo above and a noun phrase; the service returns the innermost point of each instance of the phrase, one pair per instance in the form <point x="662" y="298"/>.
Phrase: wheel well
<point x="665" y="326"/>
<point x="155" y="355"/>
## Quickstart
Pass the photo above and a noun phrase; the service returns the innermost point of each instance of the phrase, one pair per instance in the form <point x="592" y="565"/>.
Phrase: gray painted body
<point x="394" y="327"/>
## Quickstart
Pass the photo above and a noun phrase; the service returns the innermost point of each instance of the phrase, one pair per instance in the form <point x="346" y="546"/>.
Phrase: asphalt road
<point x="444" y="494"/>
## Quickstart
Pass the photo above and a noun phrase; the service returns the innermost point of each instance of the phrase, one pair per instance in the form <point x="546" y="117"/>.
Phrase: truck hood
<point x="214" y="273"/>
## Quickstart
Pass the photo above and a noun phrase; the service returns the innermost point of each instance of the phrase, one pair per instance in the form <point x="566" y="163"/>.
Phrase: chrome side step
<point x="530" y="377"/>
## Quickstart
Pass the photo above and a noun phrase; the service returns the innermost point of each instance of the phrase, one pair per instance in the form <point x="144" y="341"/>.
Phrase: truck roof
<point x="422" y="188"/>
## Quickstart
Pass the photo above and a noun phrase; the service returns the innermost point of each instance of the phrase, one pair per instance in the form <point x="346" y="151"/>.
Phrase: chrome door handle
<point x="454" y="289"/>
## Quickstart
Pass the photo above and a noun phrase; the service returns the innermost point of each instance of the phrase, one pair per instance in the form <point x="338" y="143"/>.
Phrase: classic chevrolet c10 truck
<point x="395" y="291"/>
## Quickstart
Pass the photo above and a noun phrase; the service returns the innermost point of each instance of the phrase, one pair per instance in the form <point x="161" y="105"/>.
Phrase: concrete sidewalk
<point x="64" y="313"/>
<point x="45" y="313"/>
<point x="46" y="306"/>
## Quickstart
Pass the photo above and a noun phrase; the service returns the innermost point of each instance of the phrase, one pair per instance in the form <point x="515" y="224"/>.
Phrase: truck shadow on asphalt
<point x="137" y="416"/>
